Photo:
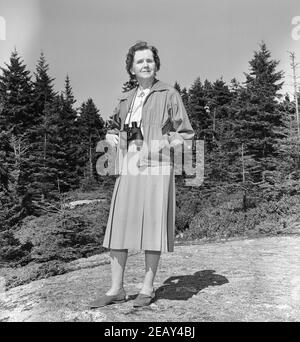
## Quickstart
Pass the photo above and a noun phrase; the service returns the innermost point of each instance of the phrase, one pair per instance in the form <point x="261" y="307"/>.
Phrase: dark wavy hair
<point x="138" y="46"/>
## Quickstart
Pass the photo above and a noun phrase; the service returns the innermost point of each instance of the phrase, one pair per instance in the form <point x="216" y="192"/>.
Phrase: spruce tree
<point x="17" y="113"/>
<point x="185" y="98"/>
<point x="42" y="175"/>
<point x="286" y="177"/>
<point x="68" y="133"/>
<point x="198" y="116"/>
<point x="218" y="98"/>
<point x="91" y="132"/>
<point x="218" y="101"/>
<point x="259" y="117"/>
<point x="177" y="87"/>
<point x="16" y="119"/>
<point x="42" y="86"/>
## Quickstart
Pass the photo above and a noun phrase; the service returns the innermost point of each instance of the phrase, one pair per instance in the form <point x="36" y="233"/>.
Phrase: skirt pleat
<point x="142" y="211"/>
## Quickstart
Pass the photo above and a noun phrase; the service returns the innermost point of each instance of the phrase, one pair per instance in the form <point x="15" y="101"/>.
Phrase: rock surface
<point x="74" y="204"/>
<point x="245" y="280"/>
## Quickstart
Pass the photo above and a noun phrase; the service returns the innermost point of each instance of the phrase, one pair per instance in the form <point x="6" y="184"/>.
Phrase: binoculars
<point x="129" y="134"/>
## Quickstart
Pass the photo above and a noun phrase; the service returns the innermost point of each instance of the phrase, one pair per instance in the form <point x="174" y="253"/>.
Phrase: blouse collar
<point x="157" y="86"/>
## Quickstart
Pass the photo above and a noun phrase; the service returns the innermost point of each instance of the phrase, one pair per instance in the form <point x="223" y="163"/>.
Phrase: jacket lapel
<point x="129" y="96"/>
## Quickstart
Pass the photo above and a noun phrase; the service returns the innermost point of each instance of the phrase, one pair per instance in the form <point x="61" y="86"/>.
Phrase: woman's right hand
<point x="112" y="139"/>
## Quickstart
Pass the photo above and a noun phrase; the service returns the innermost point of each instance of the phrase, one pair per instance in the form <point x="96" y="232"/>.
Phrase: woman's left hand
<point x="175" y="142"/>
<point x="163" y="143"/>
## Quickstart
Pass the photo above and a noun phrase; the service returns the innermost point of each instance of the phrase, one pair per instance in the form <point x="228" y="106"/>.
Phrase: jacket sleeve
<point x="115" y="122"/>
<point x="181" y="128"/>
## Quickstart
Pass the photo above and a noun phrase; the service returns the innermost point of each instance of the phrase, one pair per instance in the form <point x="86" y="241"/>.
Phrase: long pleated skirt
<point x="142" y="210"/>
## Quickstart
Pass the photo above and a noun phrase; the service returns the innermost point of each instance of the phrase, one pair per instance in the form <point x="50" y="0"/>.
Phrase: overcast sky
<point x="89" y="39"/>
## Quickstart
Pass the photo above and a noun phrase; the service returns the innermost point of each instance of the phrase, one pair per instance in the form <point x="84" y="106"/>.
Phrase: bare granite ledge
<point x="241" y="280"/>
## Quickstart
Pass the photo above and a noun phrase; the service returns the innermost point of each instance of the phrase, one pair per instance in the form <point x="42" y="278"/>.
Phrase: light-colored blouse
<point x="135" y="112"/>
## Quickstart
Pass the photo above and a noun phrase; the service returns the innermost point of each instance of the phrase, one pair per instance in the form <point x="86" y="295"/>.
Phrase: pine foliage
<point x="47" y="148"/>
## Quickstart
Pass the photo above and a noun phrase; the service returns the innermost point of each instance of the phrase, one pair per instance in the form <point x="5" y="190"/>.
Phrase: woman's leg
<point x="151" y="261"/>
<point x="118" y="262"/>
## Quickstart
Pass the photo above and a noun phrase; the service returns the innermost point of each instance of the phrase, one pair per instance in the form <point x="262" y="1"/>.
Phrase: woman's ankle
<point x="114" y="291"/>
<point x="148" y="290"/>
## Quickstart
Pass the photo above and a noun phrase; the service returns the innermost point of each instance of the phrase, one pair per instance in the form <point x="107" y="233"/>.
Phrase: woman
<point x="142" y="212"/>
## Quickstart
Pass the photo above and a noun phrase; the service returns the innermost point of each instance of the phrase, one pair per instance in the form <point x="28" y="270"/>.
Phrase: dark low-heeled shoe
<point x="143" y="300"/>
<point x="107" y="300"/>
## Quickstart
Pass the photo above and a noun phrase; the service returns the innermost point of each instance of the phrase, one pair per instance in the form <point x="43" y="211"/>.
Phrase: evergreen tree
<point x="259" y="117"/>
<point x="218" y="99"/>
<point x="16" y="119"/>
<point x="185" y="97"/>
<point x="234" y="88"/>
<point x="177" y="87"/>
<point x="197" y="114"/>
<point x="48" y="158"/>
<point x="208" y="89"/>
<point x="68" y="133"/>
<point x="42" y="175"/>
<point x="286" y="177"/>
<point x="42" y="87"/>
<point x="221" y="94"/>
<point x="263" y="82"/>
<point x="16" y="92"/>
<point x="91" y="132"/>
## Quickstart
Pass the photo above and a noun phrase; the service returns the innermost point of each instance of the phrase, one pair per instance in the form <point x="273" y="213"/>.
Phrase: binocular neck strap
<point x="132" y="105"/>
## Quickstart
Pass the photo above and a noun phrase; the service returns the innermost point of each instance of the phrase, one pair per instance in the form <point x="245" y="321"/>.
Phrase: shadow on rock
<point x="185" y="286"/>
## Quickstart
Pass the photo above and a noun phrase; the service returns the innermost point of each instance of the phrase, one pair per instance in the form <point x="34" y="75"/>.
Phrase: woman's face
<point x="143" y="65"/>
